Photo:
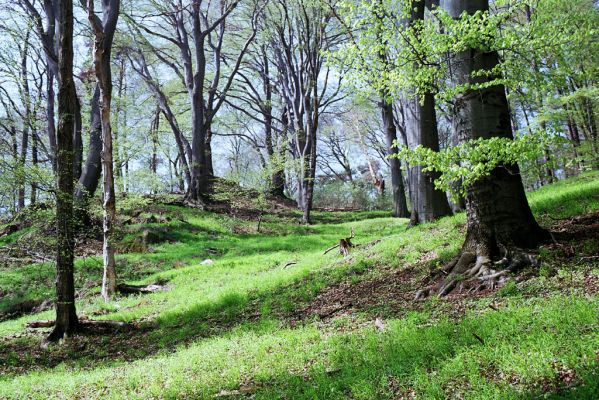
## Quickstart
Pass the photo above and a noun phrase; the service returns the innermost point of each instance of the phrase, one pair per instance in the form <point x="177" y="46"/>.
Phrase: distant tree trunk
<point x="92" y="170"/>
<point x="77" y="141"/>
<point x="121" y="89"/>
<point x="28" y="119"/>
<point x="50" y="117"/>
<point x="104" y="33"/>
<point x="428" y="203"/>
<point x="140" y="66"/>
<point x="400" y="205"/>
<point x="34" y="162"/>
<point x="499" y="217"/>
<point x="154" y="137"/>
<point x="66" y="316"/>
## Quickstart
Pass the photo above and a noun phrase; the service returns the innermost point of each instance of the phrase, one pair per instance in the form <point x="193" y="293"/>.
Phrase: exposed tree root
<point x="85" y="324"/>
<point x="476" y="272"/>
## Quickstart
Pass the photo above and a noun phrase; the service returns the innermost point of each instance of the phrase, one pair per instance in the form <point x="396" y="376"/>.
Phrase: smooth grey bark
<point x="428" y="203"/>
<point x="104" y="30"/>
<point x="27" y="118"/>
<point x="499" y="216"/>
<point x="66" y="316"/>
<point x="92" y="169"/>
<point x="400" y="206"/>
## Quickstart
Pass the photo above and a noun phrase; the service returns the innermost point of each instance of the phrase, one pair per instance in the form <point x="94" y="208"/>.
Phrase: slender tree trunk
<point x="121" y="89"/>
<point x="154" y="137"/>
<point x="34" y="162"/>
<point x="104" y="33"/>
<point x="66" y="316"/>
<point x="499" y="216"/>
<point x="400" y="204"/>
<point x="50" y="117"/>
<point x="77" y="141"/>
<point x="27" y="122"/>
<point x="109" y="218"/>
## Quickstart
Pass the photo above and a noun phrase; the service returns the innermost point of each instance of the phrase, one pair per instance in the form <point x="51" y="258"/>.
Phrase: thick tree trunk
<point x="400" y="205"/>
<point x="199" y="185"/>
<point x="66" y="317"/>
<point x="499" y="217"/>
<point x="428" y="203"/>
<point x="307" y="176"/>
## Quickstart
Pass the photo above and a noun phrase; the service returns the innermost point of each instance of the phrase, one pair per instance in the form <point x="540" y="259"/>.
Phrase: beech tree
<point x="301" y="32"/>
<point x="428" y="203"/>
<point x="500" y="222"/>
<point x="199" y="32"/>
<point x="255" y="96"/>
<point x="66" y="316"/>
<point x="104" y="34"/>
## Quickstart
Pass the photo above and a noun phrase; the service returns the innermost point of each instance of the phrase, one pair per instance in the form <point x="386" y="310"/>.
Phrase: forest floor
<point x="265" y="315"/>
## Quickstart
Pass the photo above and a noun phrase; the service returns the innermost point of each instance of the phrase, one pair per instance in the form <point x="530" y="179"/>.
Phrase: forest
<point x="299" y="199"/>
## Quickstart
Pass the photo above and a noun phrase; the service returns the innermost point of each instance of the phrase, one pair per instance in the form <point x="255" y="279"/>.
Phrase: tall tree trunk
<point x="499" y="218"/>
<point x="27" y="122"/>
<point x="34" y="162"/>
<point x="400" y="205"/>
<point x="154" y="137"/>
<point x="50" y="117"/>
<point x="104" y="33"/>
<point x="428" y="203"/>
<point x="66" y="316"/>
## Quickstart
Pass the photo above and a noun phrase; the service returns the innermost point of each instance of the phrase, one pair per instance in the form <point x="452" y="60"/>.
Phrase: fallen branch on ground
<point x="129" y="289"/>
<point x="83" y="323"/>
<point x="343" y="245"/>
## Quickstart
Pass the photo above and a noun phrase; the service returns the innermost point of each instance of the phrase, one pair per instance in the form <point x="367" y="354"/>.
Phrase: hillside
<point x="243" y="313"/>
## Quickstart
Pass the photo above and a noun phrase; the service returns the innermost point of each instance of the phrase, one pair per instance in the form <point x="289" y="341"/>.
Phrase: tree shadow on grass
<point x="443" y="361"/>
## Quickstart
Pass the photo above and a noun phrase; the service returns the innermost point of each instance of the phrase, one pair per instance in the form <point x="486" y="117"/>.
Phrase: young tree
<point x="104" y="34"/>
<point x="500" y="221"/>
<point x="66" y="316"/>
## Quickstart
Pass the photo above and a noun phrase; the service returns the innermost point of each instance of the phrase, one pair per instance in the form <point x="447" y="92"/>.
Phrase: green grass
<point x="228" y="328"/>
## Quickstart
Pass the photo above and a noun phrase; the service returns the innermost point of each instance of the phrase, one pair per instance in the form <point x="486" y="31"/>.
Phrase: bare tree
<point x="306" y="82"/>
<point x="254" y="95"/>
<point x="198" y="32"/>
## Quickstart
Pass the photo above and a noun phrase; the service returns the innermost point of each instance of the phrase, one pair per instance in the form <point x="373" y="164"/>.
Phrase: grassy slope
<point x="224" y="328"/>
